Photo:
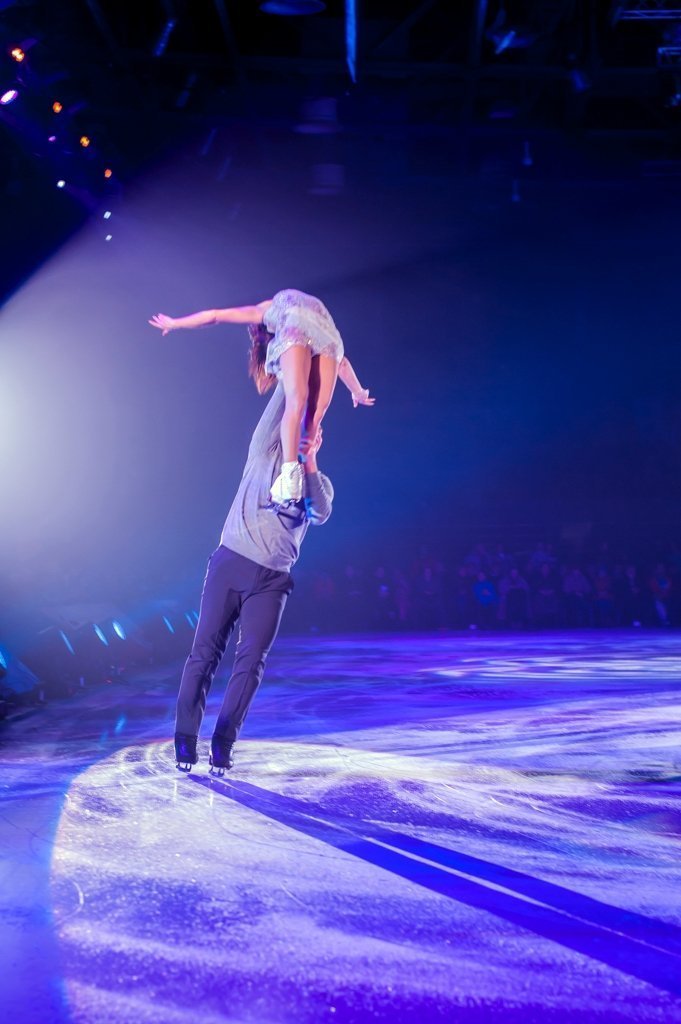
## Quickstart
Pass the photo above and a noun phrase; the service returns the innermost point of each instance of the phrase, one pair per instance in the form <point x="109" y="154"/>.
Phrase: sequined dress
<point x="295" y="318"/>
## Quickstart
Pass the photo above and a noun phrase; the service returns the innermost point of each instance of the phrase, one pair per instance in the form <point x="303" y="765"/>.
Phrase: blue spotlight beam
<point x="351" y="37"/>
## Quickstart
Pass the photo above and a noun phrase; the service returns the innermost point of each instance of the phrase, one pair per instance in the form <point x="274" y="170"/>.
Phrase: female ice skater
<point x="295" y="341"/>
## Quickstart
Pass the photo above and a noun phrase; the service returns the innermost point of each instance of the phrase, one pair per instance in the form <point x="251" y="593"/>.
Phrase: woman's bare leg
<point x="295" y="366"/>
<point x="322" y="381"/>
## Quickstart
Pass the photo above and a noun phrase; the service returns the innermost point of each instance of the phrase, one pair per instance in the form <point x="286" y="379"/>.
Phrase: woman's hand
<point x="361" y="397"/>
<point x="163" y="322"/>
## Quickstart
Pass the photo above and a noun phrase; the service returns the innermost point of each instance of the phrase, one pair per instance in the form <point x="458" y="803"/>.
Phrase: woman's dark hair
<point x="257" y="353"/>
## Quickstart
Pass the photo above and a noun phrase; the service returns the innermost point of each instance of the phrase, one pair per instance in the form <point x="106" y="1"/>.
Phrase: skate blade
<point x="216" y="772"/>
<point x="184" y="766"/>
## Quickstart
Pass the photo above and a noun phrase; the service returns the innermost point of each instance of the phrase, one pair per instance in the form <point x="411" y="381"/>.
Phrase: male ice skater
<point x="248" y="579"/>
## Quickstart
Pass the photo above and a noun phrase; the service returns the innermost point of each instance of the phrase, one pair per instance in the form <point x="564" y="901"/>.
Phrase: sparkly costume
<point x="295" y="318"/>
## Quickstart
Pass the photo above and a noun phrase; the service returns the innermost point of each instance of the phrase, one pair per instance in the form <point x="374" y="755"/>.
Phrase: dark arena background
<point x="457" y="796"/>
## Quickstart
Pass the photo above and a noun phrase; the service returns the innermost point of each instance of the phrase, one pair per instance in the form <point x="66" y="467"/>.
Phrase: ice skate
<point x="185" y="751"/>
<point x="288" y="487"/>
<point x="220" y="756"/>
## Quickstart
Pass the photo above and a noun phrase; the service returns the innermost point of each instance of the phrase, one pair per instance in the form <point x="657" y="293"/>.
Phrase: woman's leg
<point x="295" y="366"/>
<point x="322" y="381"/>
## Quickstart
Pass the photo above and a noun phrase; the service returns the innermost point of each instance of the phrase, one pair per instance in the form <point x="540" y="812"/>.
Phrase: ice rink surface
<point x="417" y="828"/>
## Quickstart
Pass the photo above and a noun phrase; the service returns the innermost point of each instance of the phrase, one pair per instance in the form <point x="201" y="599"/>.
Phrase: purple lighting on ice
<point x="394" y="830"/>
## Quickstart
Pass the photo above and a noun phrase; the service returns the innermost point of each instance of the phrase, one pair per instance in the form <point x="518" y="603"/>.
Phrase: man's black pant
<point x="235" y="588"/>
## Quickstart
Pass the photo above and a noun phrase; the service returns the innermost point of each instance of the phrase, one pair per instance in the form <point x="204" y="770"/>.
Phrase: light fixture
<point x="57" y="107"/>
<point x="61" y="183"/>
<point x="108" y="173"/>
<point x="99" y="633"/>
<point x="17" y="54"/>
<point x="8" y="97"/>
<point x="84" y="141"/>
<point x="162" y="41"/>
<point x="67" y="643"/>
<point x="107" y="215"/>
<point x="292" y="7"/>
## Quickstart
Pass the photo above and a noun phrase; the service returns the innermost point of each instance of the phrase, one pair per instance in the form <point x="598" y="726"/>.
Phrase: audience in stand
<point x="514" y="609"/>
<point x="661" y="587"/>
<point x="546" y="611"/>
<point x="487" y="599"/>
<point x="429" y="598"/>
<point x="577" y="591"/>
<point x="492" y="586"/>
<point x="631" y="598"/>
<point x="489" y="586"/>
<point x="603" y="602"/>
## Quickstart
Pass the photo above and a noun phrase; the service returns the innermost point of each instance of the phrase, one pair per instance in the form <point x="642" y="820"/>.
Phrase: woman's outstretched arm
<point x="208" y="317"/>
<point x="360" y="395"/>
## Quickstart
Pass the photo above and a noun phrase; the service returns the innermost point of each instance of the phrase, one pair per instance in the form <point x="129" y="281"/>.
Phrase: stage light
<point x="162" y="42"/>
<point x="52" y="138"/>
<point x="351" y="38"/>
<point x="100" y="634"/>
<point x="57" y="107"/>
<point x="51" y="656"/>
<point x="107" y="238"/>
<point x="118" y="630"/>
<point x="580" y="80"/>
<point x="107" y="215"/>
<point x="168" y="623"/>
<point x="8" y="97"/>
<point x="61" y="183"/>
<point x="67" y="643"/>
<point x="84" y="141"/>
<point x="292" y="7"/>
<point x="108" y="173"/>
<point x="504" y="41"/>
<point x="17" y="54"/>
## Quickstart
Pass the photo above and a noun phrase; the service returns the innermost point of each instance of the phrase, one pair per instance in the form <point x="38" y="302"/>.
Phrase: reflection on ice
<point x="426" y="850"/>
<point x="394" y="843"/>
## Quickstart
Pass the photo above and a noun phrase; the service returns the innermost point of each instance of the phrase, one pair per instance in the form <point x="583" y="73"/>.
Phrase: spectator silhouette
<point x="661" y="587"/>
<point x="604" y="602"/>
<point x="631" y="598"/>
<point x="486" y="600"/>
<point x="514" y="608"/>
<point x="577" y="591"/>
<point x="429" y="599"/>
<point x="545" y="598"/>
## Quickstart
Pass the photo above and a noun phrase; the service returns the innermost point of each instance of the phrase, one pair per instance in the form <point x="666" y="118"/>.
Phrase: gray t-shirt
<point x="253" y="530"/>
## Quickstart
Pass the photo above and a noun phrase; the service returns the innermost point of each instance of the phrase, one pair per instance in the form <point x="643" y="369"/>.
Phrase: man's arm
<point x="318" y="498"/>
<point x="318" y="490"/>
